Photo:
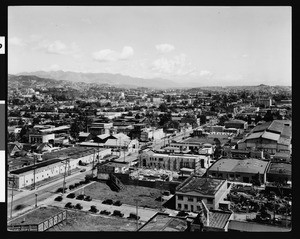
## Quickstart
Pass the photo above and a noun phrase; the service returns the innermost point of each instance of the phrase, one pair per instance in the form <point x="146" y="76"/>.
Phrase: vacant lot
<point x="80" y="221"/>
<point x="147" y="196"/>
<point x="37" y="216"/>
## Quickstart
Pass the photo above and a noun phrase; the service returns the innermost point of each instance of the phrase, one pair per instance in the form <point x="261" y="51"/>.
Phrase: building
<point x="272" y="137"/>
<point x="100" y="128"/>
<point x="152" y="134"/>
<point x="242" y="226"/>
<point x="163" y="222"/>
<point x="211" y="191"/>
<point x="237" y="170"/>
<point x="279" y="173"/>
<point x="236" y="124"/>
<point x="46" y="169"/>
<point x="39" y="137"/>
<point x="213" y="220"/>
<point x="103" y="170"/>
<point x="173" y="162"/>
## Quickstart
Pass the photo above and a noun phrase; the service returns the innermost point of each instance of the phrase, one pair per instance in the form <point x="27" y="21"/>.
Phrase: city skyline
<point x="217" y="46"/>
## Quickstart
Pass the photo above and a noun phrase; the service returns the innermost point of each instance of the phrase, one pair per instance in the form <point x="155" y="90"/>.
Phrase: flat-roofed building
<point x="279" y="173"/>
<point x="163" y="222"/>
<point x="54" y="166"/>
<point x="173" y="162"/>
<point x="211" y="191"/>
<point x="238" y="170"/>
<point x="236" y="124"/>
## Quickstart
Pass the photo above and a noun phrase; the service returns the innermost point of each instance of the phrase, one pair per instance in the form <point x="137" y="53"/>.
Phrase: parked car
<point x="80" y="197"/>
<point x="87" y="198"/>
<point x="71" y="195"/>
<point x="69" y="205"/>
<point x="78" y="206"/>
<point x="94" y="209"/>
<point x="105" y="212"/>
<point x="108" y="201"/>
<point x="59" y="198"/>
<point x="134" y="216"/>
<point x="117" y="203"/>
<point x="60" y="190"/>
<point x="118" y="213"/>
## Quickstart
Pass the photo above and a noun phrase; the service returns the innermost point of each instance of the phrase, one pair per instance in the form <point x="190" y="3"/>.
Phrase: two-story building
<point x="211" y="191"/>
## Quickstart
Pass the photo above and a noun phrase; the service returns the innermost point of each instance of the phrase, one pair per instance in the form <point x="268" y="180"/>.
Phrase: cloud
<point x="244" y="56"/>
<point x="126" y="53"/>
<point x="15" y="41"/>
<point x="111" y="55"/>
<point x="164" y="48"/>
<point x="59" y="48"/>
<point x="177" y="65"/>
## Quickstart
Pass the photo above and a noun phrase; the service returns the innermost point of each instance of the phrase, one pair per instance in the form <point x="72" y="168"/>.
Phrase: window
<point x="231" y="175"/>
<point x="210" y="200"/>
<point x="199" y="199"/>
<point x="190" y="199"/>
<point x="180" y="197"/>
<point x="198" y="208"/>
<point x="179" y="205"/>
<point x="186" y="206"/>
<point x="213" y="174"/>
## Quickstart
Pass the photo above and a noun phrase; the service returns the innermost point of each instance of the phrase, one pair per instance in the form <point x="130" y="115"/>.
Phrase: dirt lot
<point x="147" y="196"/>
<point x="37" y="216"/>
<point x="80" y="221"/>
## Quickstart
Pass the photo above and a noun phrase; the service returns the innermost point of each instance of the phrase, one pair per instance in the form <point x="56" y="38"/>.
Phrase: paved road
<point x="28" y="197"/>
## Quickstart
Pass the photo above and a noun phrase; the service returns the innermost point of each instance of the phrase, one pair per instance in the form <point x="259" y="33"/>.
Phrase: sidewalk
<point x="46" y="185"/>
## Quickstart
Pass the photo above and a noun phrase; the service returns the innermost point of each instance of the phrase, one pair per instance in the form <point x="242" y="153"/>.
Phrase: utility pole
<point x="12" y="195"/>
<point x="64" y="182"/>
<point x="36" y="199"/>
<point x="93" y="164"/>
<point x="34" y="158"/>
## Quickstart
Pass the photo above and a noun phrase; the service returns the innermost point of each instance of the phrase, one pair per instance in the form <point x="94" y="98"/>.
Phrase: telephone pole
<point x="64" y="182"/>
<point x="12" y="195"/>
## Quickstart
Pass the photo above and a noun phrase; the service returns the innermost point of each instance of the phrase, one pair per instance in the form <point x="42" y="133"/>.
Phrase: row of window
<point x="185" y="206"/>
<point x="191" y="199"/>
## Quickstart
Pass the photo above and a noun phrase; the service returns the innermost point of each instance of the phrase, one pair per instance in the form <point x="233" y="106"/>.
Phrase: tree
<point x="74" y="130"/>
<point x="268" y="117"/>
<point x="24" y="134"/>
<point x="202" y="119"/>
<point x="163" y="107"/>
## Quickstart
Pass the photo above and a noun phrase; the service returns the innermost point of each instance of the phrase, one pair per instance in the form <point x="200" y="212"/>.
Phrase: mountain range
<point x="77" y="79"/>
<point x="117" y="80"/>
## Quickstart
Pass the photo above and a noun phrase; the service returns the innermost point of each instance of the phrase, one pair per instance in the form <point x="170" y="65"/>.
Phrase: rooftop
<point x="280" y="168"/>
<point x="38" y="165"/>
<point x="164" y="222"/>
<point x="242" y="166"/>
<point x="206" y="186"/>
<point x="254" y="227"/>
<point x="218" y="219"/>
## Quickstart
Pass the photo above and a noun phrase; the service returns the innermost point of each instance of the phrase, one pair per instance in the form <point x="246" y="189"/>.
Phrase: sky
<point x="216" y="46"/>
